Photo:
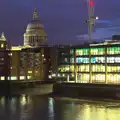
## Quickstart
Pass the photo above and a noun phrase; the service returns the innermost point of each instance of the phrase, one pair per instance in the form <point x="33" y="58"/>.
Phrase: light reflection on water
<point x="45" y="108"/>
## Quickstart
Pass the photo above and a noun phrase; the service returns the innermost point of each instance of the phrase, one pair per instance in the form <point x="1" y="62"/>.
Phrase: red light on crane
<point x="92" y="3"/>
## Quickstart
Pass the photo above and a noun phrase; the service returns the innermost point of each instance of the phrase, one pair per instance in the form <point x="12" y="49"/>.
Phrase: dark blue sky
<point x="63" y="19"/>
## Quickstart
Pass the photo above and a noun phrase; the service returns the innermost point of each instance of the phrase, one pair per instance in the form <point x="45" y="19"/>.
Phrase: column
<point x="90" y="67"/>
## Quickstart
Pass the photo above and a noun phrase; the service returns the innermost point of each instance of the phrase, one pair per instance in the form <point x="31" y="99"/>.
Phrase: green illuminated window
<point x="113" y="50"/>
<point x="82" y="52"/>
<point x="97" y="51"/>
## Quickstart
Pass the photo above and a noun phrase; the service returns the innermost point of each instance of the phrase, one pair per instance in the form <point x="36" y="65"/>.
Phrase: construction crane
<point x="91" y="18"/>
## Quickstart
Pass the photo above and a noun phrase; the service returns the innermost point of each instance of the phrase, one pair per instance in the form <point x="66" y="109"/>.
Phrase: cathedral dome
<point x="35" y="34"/>
<point x="35" y="23"/>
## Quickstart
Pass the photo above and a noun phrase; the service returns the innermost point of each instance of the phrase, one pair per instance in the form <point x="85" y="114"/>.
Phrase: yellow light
<point x="2" y="78"/>
<point x="23" y="100"/>
<point x="28" y="77"/>
<point x="29" y="71"/>
<point x="16" y="48"/>
<point x="2" y="45"/>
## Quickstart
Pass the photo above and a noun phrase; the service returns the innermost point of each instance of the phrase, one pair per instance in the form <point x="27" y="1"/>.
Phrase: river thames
<point x="47" y="108"/>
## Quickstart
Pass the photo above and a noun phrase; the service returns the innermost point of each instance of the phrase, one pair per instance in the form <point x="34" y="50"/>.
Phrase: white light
<point x="50" y="76"/>
<point x="63" y="75"/>
<point x="58" y="75"/>
<point x="72" y="75"/>
<point x="53" y="75"/>
<point x="97" y="18"/>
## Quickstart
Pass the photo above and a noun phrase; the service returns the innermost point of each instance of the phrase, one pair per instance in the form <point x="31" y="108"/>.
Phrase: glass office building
<point x="94" y="63"/>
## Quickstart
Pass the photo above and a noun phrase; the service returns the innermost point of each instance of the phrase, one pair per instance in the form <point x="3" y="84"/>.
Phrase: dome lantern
<point x="35" y="14"/>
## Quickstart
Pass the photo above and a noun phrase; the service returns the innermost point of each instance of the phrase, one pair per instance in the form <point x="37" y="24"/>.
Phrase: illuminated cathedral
<point x="35" y="34"/>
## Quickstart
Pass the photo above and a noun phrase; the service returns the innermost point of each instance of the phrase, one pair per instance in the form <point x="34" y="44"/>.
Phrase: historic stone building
<point x="35" y="34"/>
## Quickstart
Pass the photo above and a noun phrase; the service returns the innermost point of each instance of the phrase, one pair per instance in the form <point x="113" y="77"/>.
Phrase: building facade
<point x="94" y="63"/>
<point x="30" y="63"/>
<point x="4" y="58"/>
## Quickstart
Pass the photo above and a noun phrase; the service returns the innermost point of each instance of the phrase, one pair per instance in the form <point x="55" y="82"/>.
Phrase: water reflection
<point x="51" y="108"/>
<point x="36" y="107"/>
<point x="26" y="108"/>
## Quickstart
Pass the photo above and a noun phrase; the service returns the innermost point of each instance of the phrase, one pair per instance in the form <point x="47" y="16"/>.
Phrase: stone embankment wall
<point x="87" y="90"/>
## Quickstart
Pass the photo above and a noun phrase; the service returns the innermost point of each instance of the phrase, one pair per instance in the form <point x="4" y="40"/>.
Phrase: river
<point x="46" y="108"/>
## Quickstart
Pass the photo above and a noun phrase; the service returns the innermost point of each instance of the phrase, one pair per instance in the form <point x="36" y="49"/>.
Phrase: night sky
<point x="63" y="19"/>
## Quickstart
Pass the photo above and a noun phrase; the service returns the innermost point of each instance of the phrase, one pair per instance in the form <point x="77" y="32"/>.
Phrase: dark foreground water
<point x="46" y="108"/>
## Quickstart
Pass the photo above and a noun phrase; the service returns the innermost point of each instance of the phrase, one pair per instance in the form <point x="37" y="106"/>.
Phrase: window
<point x="84" y="51"/>
<point x="66" y="68"/>
<point x="2" y="45"/>
<point x="98" y="68"/>
<point x="71" y="52"/>
<point x="83" y="68"/>
<point x="113" y="78"/>
<point x="2" y="78"/>
<point x="71" y="60"/>
<point x="113" y="68"/>
<point x="113" y="59"/>
<point x="98" y="60"/>
<point x="113" y="50"/>
<point x="97" y="51"/>
<point x="98" y="78"/>
<point x="82" y="60"/>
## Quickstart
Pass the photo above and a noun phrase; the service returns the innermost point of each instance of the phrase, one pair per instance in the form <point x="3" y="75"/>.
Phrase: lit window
<point x="10" y="54"/>
<point x="22" y="77"/>
<point x="29" y="71"/>
<point x="28" y="77"/>
<point x="13" y="78"/>
<point x="2" y="45"/>
<point x="3" y="78"/>
<point x="50" y="77"/>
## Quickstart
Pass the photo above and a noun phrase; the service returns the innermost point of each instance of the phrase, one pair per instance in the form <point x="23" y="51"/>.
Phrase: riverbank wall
<point x="80" y="90"/>
<point x="8" y="88"/>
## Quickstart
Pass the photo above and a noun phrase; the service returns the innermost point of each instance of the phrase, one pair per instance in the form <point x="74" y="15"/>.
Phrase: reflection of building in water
<point x="90" y="63"/>
<point x="26" y="108"/>
<point x="51" y="108"/>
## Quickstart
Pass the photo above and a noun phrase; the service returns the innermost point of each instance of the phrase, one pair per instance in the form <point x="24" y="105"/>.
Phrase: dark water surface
<point x="46" y="108"/>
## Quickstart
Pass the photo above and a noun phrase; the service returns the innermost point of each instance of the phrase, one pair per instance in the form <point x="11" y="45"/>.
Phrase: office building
<point x="94" y="63"/>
